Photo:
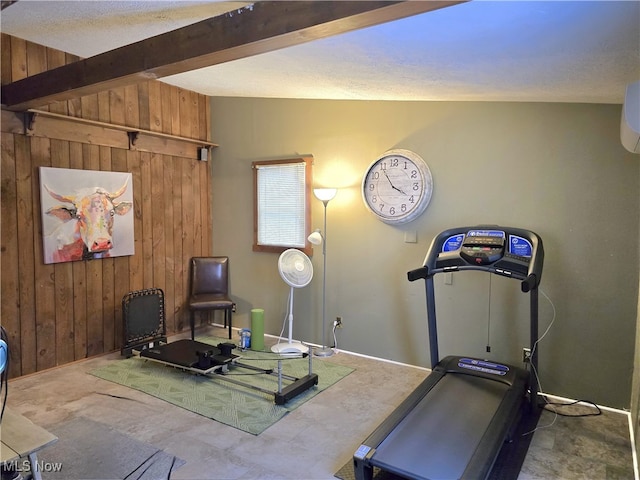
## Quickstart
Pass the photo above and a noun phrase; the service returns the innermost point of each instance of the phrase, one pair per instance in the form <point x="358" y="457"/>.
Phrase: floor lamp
<point x="317" y="238"/>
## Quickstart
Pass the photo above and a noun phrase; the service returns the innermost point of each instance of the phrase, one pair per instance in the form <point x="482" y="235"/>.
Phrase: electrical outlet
<point x="526" y="355"/>
<point x="338" y="322"/>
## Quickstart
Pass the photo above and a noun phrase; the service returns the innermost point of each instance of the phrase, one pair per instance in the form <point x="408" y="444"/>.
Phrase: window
<point x="282" y="209"/>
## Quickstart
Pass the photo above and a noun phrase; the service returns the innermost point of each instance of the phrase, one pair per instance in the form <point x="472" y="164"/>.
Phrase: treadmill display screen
<point x="483" y="247"/>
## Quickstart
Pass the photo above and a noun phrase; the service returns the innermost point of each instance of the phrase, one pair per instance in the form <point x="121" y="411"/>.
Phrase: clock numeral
<point x="372" y="187"/>
<point x="394" y="162"/>
<point x="416" y="186"/>
<point x="374" y="199"/>
<point x="392" y="211"/>
<point x="403" y="207"/>
<point x="375" y="175"/>
<point x="412" y="199"/>
<point x="414" y="174"/>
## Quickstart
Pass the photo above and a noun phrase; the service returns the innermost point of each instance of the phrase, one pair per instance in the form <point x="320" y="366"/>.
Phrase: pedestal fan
<point x="296" y="270"/>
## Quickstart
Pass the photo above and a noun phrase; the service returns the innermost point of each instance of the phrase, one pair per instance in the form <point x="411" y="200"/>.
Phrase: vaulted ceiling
<point x="555" y="51"/>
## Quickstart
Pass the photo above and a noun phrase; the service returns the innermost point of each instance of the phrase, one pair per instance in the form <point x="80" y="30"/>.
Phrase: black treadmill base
<point x="512" y="455"/>
<point x="507" y="466"/>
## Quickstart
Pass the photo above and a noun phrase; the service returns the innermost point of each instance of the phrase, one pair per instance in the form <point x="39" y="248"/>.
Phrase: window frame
<point x="308" y="174"/>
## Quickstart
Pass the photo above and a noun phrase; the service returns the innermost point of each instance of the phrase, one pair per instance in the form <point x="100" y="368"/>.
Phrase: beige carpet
<point x="89" y="450"/>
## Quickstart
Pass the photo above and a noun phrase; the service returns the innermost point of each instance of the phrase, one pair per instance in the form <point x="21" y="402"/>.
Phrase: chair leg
<point x="192" y="322"/>
<point x="230" y="312"/>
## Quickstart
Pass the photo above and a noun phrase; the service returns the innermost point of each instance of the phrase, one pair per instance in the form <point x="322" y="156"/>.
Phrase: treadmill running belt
<point x="439" y="436"/>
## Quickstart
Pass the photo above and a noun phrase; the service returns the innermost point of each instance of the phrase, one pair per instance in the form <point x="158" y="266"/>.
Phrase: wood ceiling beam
<point x="6" y="3"/>
<point x="257" y="28"/>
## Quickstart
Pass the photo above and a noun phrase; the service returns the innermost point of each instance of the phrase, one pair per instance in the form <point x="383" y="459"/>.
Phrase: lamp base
<point x="323" y="352"/>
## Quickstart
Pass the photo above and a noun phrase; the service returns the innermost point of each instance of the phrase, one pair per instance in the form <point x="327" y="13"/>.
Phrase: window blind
<point x="281" y="204"/>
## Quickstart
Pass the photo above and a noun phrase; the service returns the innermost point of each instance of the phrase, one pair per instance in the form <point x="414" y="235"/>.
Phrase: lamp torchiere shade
<point x="325" y="194"/>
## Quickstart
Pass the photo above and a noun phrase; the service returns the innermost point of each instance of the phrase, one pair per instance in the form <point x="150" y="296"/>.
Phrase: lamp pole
<point x="324" y="195"/>
<point x="324" y="351"/>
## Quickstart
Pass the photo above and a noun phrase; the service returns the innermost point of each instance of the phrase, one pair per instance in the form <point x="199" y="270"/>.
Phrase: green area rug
<point x="244" y="408"/>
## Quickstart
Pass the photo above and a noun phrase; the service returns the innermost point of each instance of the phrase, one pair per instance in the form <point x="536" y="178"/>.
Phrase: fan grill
<point x="295" y="268"/>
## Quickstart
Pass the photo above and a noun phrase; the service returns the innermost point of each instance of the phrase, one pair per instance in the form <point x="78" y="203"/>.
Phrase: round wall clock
<point x="397" y="187"/>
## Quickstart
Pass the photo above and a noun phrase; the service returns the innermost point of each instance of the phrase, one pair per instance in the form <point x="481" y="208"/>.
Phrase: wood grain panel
<point x="5" y="59"/>
<point x="63" y="280"/>
<point x="157" y="221"/>
<point x="73" y="105"/>
<point x="55" y="314"/>
<point x="89" y="106"/>
<point x="143" y="106"/>
<point x="169" y="258"/>
<point x="155" y="106"/>
<point x="121" y="277"/>
<point x="56" y="58"/>
<point x="26" y="254"/>
<point x="18" y="59"/>
<point x="44" y="274"/>
<point x="180" y="277"/>
<point x="9" y="282"/>
<point x="136" y="273"/>
<point x="146" y="220"/>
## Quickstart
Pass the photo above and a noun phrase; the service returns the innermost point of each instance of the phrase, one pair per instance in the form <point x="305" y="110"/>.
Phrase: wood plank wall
<point x="56" y="314"/>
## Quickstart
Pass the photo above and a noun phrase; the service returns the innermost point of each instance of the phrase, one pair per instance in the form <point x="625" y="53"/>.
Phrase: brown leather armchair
<point x="209" y="289"/>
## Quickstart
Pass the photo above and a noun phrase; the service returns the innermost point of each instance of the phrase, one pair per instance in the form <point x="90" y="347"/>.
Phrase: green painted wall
<point x="556" y="169"/>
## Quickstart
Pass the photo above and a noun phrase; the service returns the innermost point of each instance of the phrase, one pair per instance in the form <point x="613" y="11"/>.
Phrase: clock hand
<point x="387" y="175"/>
<point x="391" y="183"/>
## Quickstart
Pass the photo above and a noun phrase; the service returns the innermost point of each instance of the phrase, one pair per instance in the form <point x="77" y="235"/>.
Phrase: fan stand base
<point x="289" y="347"/>
<point x="323" y="352"/>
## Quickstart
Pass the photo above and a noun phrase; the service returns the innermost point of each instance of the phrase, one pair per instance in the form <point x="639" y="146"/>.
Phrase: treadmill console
<point x="482" y="248"/>
<point x="509" y="252"/>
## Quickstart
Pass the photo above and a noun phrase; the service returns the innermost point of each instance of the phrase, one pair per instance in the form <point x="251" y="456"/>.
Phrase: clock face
<point x="397" y="187"/>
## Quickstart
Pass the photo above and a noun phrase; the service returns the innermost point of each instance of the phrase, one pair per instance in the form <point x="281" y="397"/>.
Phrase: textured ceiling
<point x="548" y="51"/>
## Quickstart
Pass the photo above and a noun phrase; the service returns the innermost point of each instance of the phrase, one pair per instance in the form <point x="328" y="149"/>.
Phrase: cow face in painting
<point x="89" y="214"/>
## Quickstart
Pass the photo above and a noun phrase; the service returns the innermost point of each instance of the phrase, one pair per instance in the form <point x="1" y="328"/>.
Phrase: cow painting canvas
<point x="86" y="214"/>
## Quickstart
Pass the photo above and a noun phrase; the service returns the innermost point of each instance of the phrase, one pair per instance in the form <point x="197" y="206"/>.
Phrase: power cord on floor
<point x="549" y="404"/>
<point x="551" y="408"/>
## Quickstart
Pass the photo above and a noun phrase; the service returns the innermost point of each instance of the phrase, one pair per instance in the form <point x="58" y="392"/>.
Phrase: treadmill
<point x="454" y="424"/>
